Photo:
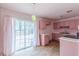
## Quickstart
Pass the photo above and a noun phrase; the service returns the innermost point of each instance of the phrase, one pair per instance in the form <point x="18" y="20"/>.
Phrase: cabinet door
<point x="76" y="24"/>
<point x="59" y="24"/>
<point x="72" y="24"/>
<point x="56" y="36"/>
<point x="53" y="36"/>
<point x="66" y="23"/>
<point x="62" y="23"/>
<point x="44" y="40"/>
<point x="55" y="25"/>
<point x="42" y="25"/>
<point x="68" y="48"/>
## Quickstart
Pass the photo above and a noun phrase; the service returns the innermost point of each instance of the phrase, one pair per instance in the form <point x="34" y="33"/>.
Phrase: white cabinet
<point x="68" y="48"/>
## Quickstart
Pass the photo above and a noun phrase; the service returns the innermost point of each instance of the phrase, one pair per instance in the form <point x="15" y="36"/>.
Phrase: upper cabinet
<point x="69" y="24"/>
<point x="43" y="24"/>
<point x="56" y="25"/>
<point x="77" y="24"/>
<point x="60" y="25"/>
<point x="72" y="24"/>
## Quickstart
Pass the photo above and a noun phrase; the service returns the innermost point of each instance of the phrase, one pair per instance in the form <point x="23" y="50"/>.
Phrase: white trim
<point x="72" y="18"/>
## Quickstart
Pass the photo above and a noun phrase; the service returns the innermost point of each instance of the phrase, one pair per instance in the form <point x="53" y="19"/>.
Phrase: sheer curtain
<point x="7" y="34"/>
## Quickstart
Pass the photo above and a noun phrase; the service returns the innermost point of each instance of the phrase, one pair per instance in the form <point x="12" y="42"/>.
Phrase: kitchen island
<point x="69" y="46"/>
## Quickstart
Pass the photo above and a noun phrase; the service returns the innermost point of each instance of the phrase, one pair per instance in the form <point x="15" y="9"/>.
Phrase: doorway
<point x="24" y="35"/>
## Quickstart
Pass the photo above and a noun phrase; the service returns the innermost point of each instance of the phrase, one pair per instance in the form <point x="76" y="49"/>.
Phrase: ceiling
<point x="47" y="10"/>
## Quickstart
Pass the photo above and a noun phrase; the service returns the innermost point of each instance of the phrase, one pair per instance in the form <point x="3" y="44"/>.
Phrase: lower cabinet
<point x="55" y="36"/>
<point x="68" y="48"/>
<point x="44" y="39"/>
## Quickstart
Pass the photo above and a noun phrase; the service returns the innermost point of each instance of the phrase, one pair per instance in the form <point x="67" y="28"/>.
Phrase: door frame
<point x="36" y="32"/>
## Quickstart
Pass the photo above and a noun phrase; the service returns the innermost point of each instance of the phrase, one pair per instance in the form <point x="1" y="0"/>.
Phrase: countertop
<point x="69" y="39"/>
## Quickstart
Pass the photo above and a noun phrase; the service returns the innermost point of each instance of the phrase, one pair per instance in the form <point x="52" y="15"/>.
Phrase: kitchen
<point x="59" y="26"/>
<point x="62" y="31"/>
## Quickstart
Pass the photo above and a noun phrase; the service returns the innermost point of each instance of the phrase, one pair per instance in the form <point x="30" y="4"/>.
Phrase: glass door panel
<point x="24" y="34"/>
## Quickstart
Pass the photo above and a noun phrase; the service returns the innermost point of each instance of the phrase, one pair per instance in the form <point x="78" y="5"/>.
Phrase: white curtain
<point x="7" y="34"/>
<point x="1" y="35"/>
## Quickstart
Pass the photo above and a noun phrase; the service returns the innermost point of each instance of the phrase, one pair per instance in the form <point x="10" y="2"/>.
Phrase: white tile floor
<point x="50" y="50"/>
<point x="22" y="43"/>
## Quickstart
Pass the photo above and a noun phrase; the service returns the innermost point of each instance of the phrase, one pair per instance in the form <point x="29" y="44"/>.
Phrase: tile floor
<point x="50" y="50"/>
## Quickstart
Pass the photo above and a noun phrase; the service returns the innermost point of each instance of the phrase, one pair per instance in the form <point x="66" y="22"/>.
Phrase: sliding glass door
<point x="24" y="34"/>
